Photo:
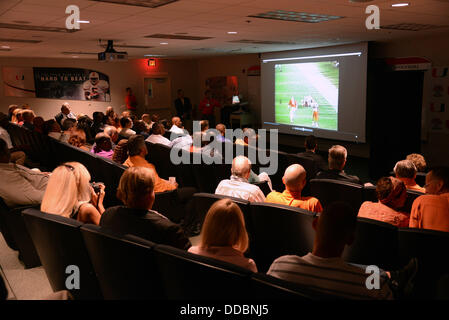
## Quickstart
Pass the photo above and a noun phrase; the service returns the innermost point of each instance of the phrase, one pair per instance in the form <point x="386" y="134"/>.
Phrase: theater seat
<point x="125" y="265"/>
<point x="411" y="196"/>
<point x="263" y="185"/>
<point x="328" y="191"/>
<point x="430" y="247"/>
<point x="167" y="203"/>
<point x="265" y="287"/>
<point x="376" y="243"/>
<point x="280" y="230"/>
<point x="59" y="243"/>
<point x="187" y="276"/>
<point x="16" y="234"/>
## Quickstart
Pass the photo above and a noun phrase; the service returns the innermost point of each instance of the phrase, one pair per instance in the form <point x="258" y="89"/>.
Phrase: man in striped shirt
<point x="323" y="269"/>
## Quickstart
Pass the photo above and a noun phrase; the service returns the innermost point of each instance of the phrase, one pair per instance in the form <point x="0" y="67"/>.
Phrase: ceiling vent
<point x="295" y="16"/>
<point x="19" y="40"/>
<point x="139" y="3"/>
<point x="176" y="37"/>
<point x="411" y="26"/>
<point x="36" y="28"/>
<point x="131" y="46"/>
<point x="262" y="42"/>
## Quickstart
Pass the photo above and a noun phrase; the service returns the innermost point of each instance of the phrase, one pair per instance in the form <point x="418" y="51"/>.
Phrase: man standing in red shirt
<point x="130" y="100"/>
<point x="207" y="106"/>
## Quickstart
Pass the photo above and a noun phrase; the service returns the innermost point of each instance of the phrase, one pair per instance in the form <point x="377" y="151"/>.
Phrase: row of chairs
<point x="113" y="266"/>
<point x="276" y="230"/>
<point x="328" y="191"/>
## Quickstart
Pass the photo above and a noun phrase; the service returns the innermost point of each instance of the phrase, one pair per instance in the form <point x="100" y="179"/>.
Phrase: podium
<point x="241" y="119"/>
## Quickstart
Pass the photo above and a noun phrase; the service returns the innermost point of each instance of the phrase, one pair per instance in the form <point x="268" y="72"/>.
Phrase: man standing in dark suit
<point x="183" y="106"/>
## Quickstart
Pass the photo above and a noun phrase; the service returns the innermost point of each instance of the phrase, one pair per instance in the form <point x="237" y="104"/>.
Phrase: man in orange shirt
<point x="431" y="211"/>
<point x="137" y="151"/>
<point x="294" y="180"/>
<point x="405" y="171"/>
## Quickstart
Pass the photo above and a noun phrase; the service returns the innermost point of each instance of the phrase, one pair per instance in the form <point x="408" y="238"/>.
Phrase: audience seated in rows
<point x="294" y="180"/>
<point x="11" y="109"/>
<point x="38" y="123"/>
<point x="221" y="128"/>
<point x="103" y="146"/>
<point x="126" y="125"/>
<point x="337" y="161"/>
<point x="64" y="114"/>
<point x="136" y="191"/>
<point x="137" y="150"/>
<point x="177" y="126"/>
<point x="311" y="146"/>
<point x="17" y="116"/>
<point x="28" y="117"/>
<point x="405" y="170"/>
<point x="141" y="128"/>
<point x="157" y="135"/>
<point x="69" y="194"/>
<point x="20" y="186"/>
<point x="324" y="270"/>
<point x="16" y="156"/>
<point x="238" y="185"/>
<point x="431" y="211"/>
<point x="391" y="193"/>
<point x="120" y="151"/>
<point x="419" y="161"/>
<point x="111" y="131"/>
<point x="78" y="139"/>
<point x="97" y="124"/>
<point x="67" y="126"/>
<point x="249" y="137"/>
<point x="110" y="116"/>
<point x="52" y="129"/>
<point x="224" y="236"/>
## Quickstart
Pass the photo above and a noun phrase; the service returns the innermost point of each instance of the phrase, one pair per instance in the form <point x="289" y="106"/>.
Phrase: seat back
<point x="294" y="224"/>
<point x="159" y="156"/>
<point x="369" y="193"/>
<point x="375" y="244"/>
<point x="167" y="203"/>
<point x="411" y="196"/>
<point x="265" y="287"/>
<point x="421" y="178"/>
<point x="264" y="187"/>
<point x="5" y="227"/>
<point x="430" y="247"/>
<point x="15" y="228"/>
<point x="125" y="265"/>
<point x="59" y="243"/>
<point x="194" y="277"/>
<point x="328" y="191"/>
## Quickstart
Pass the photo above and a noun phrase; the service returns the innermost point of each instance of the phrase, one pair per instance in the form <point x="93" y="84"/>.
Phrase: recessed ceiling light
<point x="75" y="56"/>
<point x="164" y="43"/>
<point x="6" y="47"/>
<point x="154" y="55"/>
<point x="232" y="32"/>
<point x="83" y="21"/>
<point x="404" y="4"/>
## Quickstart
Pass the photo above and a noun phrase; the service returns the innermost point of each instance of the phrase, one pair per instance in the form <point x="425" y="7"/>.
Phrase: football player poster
<point x="71" y="84"/>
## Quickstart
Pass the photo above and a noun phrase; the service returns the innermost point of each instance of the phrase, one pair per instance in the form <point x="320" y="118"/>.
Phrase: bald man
<point x="294" y="180"/>
<point x="238" y="185"/>
<point x="176" y="125"/>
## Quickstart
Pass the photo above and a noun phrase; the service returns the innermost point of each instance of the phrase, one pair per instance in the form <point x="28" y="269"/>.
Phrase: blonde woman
<point x="17" y="116"/>
<point x="224" y="235"/>
<point x="70" y="194"/>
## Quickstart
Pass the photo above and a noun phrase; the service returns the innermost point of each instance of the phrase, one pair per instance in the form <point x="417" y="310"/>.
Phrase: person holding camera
<point x="70" y="194"/>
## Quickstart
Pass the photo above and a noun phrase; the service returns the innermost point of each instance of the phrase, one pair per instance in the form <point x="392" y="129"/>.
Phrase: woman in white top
<point x="224" y="235"/>
<point x="70" y="194"/>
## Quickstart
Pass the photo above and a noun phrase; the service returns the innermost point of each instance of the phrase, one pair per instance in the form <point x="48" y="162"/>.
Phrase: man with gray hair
<point x="405" y="170"/>
<point x="337" y="161"/>
<point x="64" y="114"/>
<point x="111" y="131"/>
<point x="238" y="185"/>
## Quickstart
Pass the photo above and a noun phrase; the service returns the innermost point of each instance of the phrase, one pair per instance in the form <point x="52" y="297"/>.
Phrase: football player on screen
<point x="94" y="88"/>
<point x="315" y="114"/>
<point x="293" y="105"/>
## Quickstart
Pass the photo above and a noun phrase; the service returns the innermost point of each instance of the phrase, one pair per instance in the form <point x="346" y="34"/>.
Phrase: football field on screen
<point x="318" y="80"/>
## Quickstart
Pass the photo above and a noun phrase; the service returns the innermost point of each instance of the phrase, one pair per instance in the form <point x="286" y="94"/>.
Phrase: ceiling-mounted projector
<point x="111" y="55"/>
